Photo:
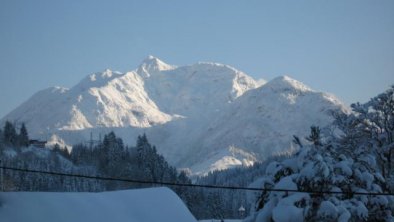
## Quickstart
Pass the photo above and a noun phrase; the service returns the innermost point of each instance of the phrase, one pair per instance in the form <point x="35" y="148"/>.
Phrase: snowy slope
<point x="266" y="118"/>
<point x="204" y="116"/>
<point x="222" y="159"/>
<point x="107" y="99"/>
<point x="262" y="122"/>
<point x="196" y="90"/>
<point x="155" y="204"/>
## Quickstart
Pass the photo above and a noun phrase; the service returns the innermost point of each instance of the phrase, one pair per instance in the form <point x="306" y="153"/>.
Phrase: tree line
<point x="10" y="137"/>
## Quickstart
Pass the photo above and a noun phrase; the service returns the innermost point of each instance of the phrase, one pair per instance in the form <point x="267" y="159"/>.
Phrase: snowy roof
<point x="155" y="204"/>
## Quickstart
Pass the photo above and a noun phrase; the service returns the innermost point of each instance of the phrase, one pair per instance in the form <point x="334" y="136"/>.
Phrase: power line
<point x="193" y="185"/>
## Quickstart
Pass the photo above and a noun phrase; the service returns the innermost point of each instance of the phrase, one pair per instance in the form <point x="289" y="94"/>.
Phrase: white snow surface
<point x="285" y="211"/>
<point x="154" y="204"/>
<point x="194" y="114"/>
<point x="224" y="159"/>
<point x="224" y="220"/>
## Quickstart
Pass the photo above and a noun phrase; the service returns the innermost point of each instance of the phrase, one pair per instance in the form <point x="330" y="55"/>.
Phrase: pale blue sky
<point x="342" y="47"/>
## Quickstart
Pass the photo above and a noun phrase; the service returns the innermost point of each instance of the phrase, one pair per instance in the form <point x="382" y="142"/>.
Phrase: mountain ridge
<point x="190" y="112"/>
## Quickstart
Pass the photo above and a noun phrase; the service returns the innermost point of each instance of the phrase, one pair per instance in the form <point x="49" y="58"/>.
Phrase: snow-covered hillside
<point x="263" y="121"/>
<point x="107" y="99"/>
<point x="204" y="116"/>
<point x="155" y="204"/>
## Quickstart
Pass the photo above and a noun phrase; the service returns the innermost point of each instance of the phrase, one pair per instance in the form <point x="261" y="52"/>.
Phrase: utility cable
<point x="193" y="185"/>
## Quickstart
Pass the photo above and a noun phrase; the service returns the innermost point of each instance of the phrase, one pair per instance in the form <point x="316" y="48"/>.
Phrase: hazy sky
<point x="342" y="47"/>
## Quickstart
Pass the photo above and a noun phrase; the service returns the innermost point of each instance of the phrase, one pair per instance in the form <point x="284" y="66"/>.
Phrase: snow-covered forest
<point x="351" y="157"/>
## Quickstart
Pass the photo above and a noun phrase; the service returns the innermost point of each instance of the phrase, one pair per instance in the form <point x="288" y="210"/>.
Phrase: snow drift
<point x="155" y="204"/>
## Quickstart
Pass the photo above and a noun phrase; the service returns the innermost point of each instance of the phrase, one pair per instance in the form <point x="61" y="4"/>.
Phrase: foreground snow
<point x="155" y="204"/>
<point x="225" y="220"/>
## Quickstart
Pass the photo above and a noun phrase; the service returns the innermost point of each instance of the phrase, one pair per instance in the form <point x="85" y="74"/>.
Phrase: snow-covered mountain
<point x="204" y="116"/>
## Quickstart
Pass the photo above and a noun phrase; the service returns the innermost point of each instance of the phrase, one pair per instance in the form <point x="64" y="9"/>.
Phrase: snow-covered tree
<point x="314" y="137"/>
<point x="316" y="170"/>
<point x="378" y="114"/>
<point x="371" y="125"/>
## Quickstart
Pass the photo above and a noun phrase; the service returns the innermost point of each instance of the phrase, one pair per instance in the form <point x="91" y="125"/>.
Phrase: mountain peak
<point x="150" y="59"/>
<point x="287" y="83"/>
<point x="152" y="64"/>
<point x="107" y="73"/>
<point x="97" y="79"/>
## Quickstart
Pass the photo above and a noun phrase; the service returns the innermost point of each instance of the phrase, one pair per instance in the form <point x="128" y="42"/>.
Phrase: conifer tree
<point x="314" y="137"/>
<point x="23" y="136"/>
<point x="9" y="134"/>
<point x="1" y="138"/>
<point x="142" y="149"/>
